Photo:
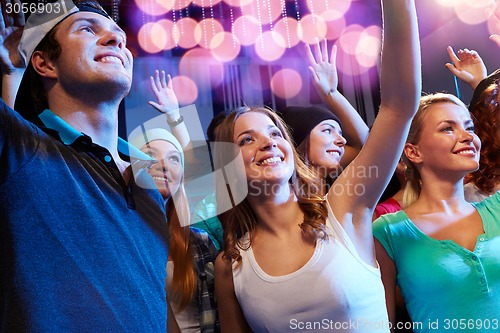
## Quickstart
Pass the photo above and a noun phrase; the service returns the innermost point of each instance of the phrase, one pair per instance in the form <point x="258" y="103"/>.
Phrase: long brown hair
<point x="486" y="113"/>
<point x="184" y="278"/>
<point x="242" y="219"/>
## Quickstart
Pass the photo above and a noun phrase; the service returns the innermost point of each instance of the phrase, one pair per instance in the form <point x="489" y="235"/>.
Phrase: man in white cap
<point x="83" y="241"/>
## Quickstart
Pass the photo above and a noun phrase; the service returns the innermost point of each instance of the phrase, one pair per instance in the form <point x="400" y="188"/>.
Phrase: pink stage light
<point x="288" y="28"/>
<point x="205" y="30"/>
<point x="270" y="46"/>
<point x="286" y="83"/>
<point x="184" y="33"/>
<point x="155" y="7"/>
<point x="152" y="37"/>
<point x="247" y="29"/>
<point x="199" y="64"/>
<point x="225" y="47"/>
<point x="311" y="28"/>
<point x="185" y="89"/>
<point x="266" y="11"/>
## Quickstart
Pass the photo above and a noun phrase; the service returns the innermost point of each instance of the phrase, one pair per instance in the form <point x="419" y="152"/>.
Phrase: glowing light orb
<point x="312" y="27"/>
<point x="238" y="3"/>
<point x="471" y="12"/>
<point x="206" y="3"/>
<point x="286" y="83"/>
<point x="270" y="46"/>
<point x="200" y="65"/>
<point x="334" y="27"/>
<point x="155" y="7"/>
<point x="225" y="47"/>
<point x="185" y="89"/>
<point x="247" y="29"/>
<point x="152" y="37"/>
<point x="184" y="32"/>
<point x="368" y="48"/>
<point x="339" y="6"/>
<point x="168" y="27"/>
<point x="181" y="4"/>
<point x="266" y="11"/>
<point x="288" y="28"/>
<point x="205" y="30"/>
<point x="349" y="39"/>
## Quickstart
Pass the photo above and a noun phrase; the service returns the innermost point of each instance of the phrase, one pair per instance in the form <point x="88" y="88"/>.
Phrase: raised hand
<point x="323" y="70"/>
<point x="11" y="29"/>
<point x="162" y="87"/>
<point x="467" y="65"/>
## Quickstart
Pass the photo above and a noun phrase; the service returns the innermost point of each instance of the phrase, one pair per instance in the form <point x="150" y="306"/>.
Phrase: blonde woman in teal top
<point x="443" y="252"/>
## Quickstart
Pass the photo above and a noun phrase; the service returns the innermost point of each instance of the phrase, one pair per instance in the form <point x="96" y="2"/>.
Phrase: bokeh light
<point x="493" y="14"/>
<point x="225" y="47"/>
<point x="349" y="39"/>
<point x="247" y="29"/>
<point x="205" y="30"/>
<point x="288" y="28"/>
<point x="183" y="32"/>
<point x="185" y="88"/>
<point x="206" y="3"/>
<point x="199" y="64"/>
<point x="155" y="7"/>
<point x="168" y="27"/>
<point x="334" y="27"/>
<point x="270" y="46"/>
<point x="286" y="83"/>
<point x="266" y="11"/>
<point x="312" y="27"/>
<point x="238" y="3"/>
<point x="181" y="4"/>
<point x="471" y="12"/>
<point x="368" y="48"/>
<point x="152" y="37"/>
<point x="339" y="6"/>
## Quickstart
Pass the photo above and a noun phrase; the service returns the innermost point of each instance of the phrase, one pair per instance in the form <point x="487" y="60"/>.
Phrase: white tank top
<point x="334" y="291"/>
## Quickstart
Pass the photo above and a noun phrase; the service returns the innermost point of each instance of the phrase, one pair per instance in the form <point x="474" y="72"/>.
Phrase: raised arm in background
<point x="400" y="83"/>
<point x="11" y="66"/>
<point x="325" y="79"/>
<point x="466" y="65"/>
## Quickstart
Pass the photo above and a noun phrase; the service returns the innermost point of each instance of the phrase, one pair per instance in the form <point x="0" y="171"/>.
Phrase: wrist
<point x="173" y="123"/>
<point x="173" y="115"/>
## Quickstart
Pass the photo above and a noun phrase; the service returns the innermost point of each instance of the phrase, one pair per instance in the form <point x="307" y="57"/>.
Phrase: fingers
<point x="309" y="55"/>
<point x="333" y="56"/>
<point x="170" y="84"/>
<point x="8" y="18"/>
<point x="495" y="38"/>
<point x="325" y="51"/>
<point x="453" y="56"/>
<point x="317" y="51"/>
<point x="452" y="69"/>
<point x="18" y="18"/>
<point x="163" y="82"/>
<point x="153" y="84"/>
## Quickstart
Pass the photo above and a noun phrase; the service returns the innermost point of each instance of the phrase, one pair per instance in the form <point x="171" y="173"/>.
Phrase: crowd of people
<point x="97" y="233"/>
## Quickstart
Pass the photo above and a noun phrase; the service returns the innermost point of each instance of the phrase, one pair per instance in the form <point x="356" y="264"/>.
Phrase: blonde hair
<point x="241" y="219"/>
<point x="413" y="184"/>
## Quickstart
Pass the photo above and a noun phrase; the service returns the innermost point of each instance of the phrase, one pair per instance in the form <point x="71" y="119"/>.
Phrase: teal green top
<point x="206" y="215"/>
<point x="447" y="288"/>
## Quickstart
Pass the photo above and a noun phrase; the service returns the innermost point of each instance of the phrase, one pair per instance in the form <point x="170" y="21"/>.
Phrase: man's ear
<point x="43" y="65"/>
<point x="412" y="153"/>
